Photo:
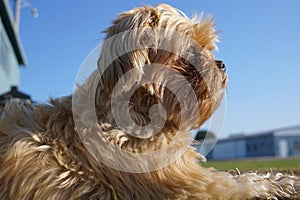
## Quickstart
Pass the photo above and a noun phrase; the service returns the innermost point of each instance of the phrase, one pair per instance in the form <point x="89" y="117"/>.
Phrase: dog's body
<point x="42" y="155"/>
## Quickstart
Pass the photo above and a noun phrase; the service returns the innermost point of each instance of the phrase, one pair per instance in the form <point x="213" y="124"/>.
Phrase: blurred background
<point x="43" y="44"/>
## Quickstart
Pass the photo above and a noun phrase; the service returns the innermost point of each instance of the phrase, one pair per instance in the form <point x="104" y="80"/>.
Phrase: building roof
<point x="8" y="23"/>
<point x="286" y="131"/>
<point x="14" y="93"/>
<point x="291" y="131"/>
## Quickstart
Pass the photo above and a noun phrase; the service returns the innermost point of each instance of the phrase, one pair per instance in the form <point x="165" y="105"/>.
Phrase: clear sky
<point x="260" y="44"/>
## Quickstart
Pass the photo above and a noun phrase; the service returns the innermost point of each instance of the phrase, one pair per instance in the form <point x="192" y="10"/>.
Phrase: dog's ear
<point x="126" y="46"/>
<point x="204" y="32"/>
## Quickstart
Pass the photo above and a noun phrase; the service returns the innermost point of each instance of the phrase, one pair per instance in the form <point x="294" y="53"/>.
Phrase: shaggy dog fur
<point x="43" y="157"/>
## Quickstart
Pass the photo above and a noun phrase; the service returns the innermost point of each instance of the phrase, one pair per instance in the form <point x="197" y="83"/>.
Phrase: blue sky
<point x="260" y="45"/>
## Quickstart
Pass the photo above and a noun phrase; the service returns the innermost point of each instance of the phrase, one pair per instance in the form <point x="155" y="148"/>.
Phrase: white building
<point x="12" y="56"/>
<point x="282" y="142"/>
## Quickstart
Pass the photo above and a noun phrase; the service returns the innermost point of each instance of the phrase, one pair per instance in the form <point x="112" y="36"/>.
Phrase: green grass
<point x="257" y="165"/>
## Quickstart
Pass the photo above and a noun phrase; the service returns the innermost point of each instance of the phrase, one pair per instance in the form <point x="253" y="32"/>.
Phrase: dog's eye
<point x="221" y="65"/>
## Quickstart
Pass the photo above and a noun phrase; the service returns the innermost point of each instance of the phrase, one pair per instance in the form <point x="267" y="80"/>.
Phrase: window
<point x="248" y="147"/>
<point x="255" y="147"/>
<point x="297" y="144"/>
<point x="262" y="146"/>
<point x="271" y="146"/>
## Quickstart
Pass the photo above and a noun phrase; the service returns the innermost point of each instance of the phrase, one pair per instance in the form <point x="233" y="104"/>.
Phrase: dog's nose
<point x="221" y="65"/>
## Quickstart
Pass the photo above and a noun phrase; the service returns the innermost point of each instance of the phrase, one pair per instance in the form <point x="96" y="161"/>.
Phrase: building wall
<point x="229" y="149"/>
<point x="287" y="146"/>
<point x="9" y="67"/>
<point x="260" y="146"/>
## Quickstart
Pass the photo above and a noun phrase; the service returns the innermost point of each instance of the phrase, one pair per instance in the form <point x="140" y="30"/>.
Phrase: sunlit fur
<point x="42" y="156"/>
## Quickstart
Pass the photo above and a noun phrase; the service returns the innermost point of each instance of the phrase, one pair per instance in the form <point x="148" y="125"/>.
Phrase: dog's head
<point x="158" y="56"/>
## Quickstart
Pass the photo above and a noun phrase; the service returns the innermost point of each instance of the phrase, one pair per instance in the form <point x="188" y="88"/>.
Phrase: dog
<point x="123" y="134"/>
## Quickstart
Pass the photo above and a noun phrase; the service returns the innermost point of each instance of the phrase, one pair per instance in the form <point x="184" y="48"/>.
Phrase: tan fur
<point x="43" y="157"/>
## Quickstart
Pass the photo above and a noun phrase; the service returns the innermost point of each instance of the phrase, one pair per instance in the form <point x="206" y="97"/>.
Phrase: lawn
<point x="287" y="165"/>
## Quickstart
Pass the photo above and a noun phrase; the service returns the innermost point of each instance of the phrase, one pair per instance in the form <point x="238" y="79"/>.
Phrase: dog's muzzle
<point x="221" y="65"/>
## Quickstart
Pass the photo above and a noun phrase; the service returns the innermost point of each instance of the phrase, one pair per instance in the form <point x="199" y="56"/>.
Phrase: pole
<point x="17" y="14"/>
